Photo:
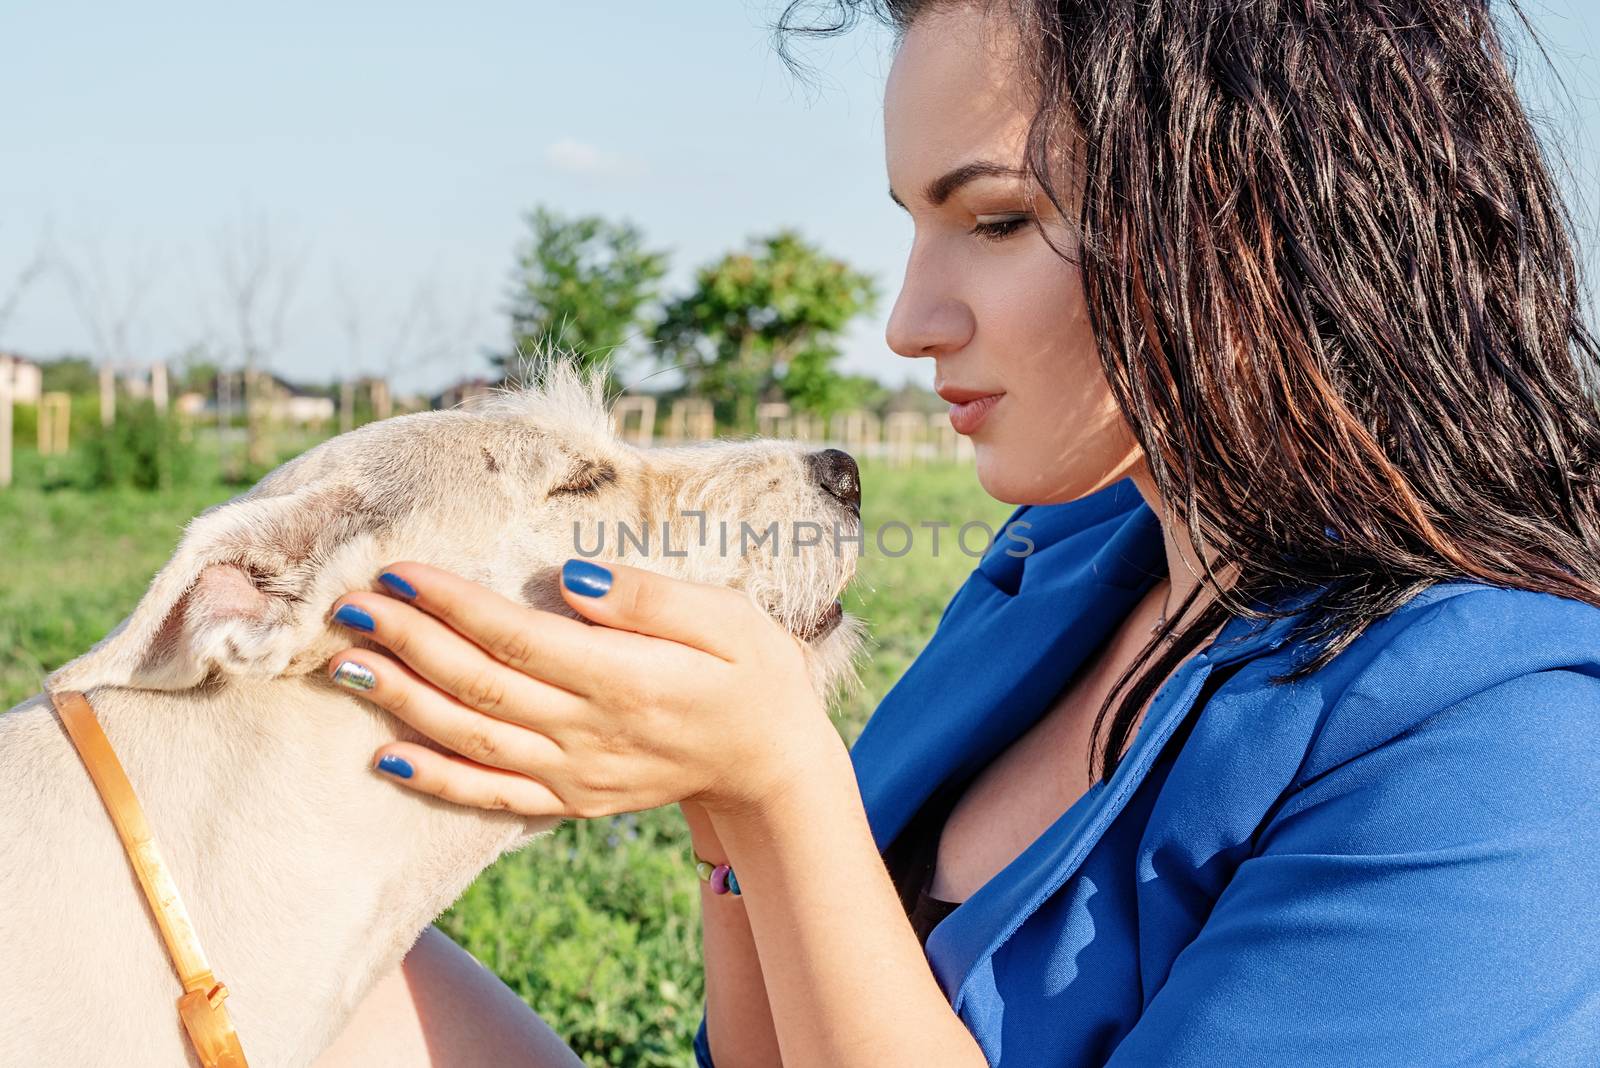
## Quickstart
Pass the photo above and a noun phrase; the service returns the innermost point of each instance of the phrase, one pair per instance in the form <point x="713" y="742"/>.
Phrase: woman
<point x="1274" y="308"/>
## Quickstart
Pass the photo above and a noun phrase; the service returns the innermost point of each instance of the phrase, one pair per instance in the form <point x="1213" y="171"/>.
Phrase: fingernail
<point x="354" y="676"/>
<point x="398" y="585"/>
<point x="583" y="577"/>
<point x="399" y="767"/>
<point x="351" y="616"/>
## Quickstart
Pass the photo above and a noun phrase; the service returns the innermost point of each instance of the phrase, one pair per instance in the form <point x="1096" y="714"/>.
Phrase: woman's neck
<point x="1185" y="569"/>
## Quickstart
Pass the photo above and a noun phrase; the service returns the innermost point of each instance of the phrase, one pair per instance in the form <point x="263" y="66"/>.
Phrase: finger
<point x="407" y="696"/>
<point x="545" y="645"/>
<point x="713" y="619"/>
<point x="463" y="782"/>
<point x="452" y="663"/>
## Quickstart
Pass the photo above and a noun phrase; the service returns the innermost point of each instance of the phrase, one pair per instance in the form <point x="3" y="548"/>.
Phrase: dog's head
<point x="502" y="493"/>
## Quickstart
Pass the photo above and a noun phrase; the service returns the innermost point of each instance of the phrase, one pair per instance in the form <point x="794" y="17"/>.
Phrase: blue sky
<point x="390" y="149"/>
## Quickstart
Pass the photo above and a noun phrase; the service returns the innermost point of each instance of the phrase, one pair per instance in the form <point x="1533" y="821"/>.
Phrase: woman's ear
<point x="231" y="601"/>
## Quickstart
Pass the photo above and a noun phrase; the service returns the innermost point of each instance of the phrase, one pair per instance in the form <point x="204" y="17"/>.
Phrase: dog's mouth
<point x="822" y="625"/>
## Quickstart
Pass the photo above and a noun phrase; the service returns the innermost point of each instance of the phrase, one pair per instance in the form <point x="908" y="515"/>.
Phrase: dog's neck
<point x="306" y="874"/>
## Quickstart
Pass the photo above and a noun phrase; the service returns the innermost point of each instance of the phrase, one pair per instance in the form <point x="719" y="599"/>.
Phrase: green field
<point x="596" y="925"/>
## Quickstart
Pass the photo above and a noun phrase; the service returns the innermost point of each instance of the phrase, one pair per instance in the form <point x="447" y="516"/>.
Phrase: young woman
<point x="1265" y="314"/>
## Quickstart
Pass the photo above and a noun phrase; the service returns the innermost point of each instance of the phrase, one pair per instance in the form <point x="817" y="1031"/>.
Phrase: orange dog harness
<point x="200" y="1008"/>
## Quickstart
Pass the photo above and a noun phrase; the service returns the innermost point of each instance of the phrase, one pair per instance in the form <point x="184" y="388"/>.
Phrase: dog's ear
<point x="236" y="598"/>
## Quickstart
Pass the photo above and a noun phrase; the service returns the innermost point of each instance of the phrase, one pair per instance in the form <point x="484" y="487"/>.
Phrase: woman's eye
<point x="1002" y="227"/>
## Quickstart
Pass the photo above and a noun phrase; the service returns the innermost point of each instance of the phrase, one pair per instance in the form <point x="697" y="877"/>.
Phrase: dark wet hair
<point x="1334" y="291"/>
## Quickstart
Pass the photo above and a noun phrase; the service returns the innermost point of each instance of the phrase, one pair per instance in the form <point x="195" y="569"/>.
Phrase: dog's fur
<point x="306" y="875"/>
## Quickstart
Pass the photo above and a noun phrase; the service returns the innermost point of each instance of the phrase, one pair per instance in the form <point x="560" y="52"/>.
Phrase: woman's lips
<point x="966" y="416"/>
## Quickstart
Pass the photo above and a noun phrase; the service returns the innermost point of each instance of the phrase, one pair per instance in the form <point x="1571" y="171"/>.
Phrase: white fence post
<point x="644" y="407"/>
<point x="5" y="421"/>
<point x="691" y="419"/>
<point x="772" y="420"/>
<point x="347" y="405"/>
<point x="108" y="395"/>
<point x="158" y="387"/>
<point x="382" y="405"/>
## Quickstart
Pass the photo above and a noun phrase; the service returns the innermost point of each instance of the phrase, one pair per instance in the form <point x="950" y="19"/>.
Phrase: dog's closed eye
<point x="588" y="478"/>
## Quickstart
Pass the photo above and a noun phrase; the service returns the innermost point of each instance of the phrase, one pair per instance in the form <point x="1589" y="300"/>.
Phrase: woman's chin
<point x="1005" y="477"/>
<point x="1013" y="476"/>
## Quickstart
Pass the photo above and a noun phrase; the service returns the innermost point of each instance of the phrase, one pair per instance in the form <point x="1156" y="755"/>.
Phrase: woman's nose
<point x="926" y="322"/>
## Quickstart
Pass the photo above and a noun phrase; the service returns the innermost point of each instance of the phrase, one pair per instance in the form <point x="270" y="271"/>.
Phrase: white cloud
<point x="580" y="157"/>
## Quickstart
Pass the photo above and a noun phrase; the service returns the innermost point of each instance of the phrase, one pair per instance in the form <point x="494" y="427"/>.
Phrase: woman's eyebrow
<point x="941" y="188"/>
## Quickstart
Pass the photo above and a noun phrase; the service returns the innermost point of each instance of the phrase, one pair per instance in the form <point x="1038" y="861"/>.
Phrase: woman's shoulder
<point x="1514" y="657"/>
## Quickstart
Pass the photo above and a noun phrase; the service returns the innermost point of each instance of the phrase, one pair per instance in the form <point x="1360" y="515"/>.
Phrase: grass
<point x="596" y="925"/>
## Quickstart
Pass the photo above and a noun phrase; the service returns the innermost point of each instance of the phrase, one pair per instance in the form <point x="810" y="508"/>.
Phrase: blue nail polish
<point x="396" y="766"/>
<point x="583" y="577"/>
<point x="398" y="585"/>
<point x="353" y="617"/>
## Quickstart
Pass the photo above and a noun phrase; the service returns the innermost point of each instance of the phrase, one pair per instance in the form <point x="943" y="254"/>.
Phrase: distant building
<point x="463" y="391"/>
<point x="135" y="384"/>
<point x="27" y="381"/>
<point x="290" y="403"/>
<point x="283" y="400"/>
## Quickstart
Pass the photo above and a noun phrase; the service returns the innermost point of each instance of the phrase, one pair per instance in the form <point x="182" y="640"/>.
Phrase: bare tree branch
<point x="12" y="296"/>
<point x="258" y="284"/>
<point x="109" y="304"/>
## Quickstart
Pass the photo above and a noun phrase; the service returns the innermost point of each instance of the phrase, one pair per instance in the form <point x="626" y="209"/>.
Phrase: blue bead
<point x="733" y="883"/>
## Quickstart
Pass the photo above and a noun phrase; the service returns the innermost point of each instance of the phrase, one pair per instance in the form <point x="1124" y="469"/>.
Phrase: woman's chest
<point x="1021" y="792"/>
<point x="1024" y="790"/>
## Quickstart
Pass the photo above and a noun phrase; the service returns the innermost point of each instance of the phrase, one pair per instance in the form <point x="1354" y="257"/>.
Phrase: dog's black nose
<point x="835" y="471"/>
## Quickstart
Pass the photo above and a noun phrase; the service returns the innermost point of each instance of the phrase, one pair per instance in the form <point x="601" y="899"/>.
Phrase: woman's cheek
<point x="1058" y="433"/>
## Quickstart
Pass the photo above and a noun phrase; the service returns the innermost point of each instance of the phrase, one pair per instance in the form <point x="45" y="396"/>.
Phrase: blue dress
<point x="1395" y="861"/>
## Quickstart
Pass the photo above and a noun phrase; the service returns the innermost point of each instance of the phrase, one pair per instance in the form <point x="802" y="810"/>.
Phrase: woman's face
<point x="988" y="300"/>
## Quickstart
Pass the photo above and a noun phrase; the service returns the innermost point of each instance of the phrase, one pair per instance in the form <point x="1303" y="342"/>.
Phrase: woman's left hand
<point x="685" y="691"/>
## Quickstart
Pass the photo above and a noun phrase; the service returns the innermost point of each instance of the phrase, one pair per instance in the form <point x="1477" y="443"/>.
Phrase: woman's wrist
<point x="831" y="935"/>
<point x="820" y="790"/>
<point x="702" y="833"/>
<point x="800" y="766"/>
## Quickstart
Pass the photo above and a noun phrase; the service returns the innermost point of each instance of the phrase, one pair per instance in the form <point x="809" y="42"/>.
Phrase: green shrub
<point x="141" y="449"/>
<point x="597" y="927"/>
<point x="24" y="425"/>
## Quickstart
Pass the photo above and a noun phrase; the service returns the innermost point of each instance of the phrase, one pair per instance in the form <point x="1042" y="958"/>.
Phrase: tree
<point x="10" y="298"/>
<point x="19" y="284"/>
<point x="428" y="329"/>
<point x="68" y="374"/>
<point x="762" y="324"/>
<point x="582" y="285"/>
<point x="257" y="284"/>
<point x="196" y="369"/>
<point x="111" y="308"/>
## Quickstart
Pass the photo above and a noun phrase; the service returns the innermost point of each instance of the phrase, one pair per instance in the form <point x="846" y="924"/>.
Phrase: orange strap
<point x="200" y="1008"/>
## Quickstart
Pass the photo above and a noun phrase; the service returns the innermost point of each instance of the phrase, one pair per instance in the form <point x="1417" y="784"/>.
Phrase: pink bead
<point x="719" y="879"/>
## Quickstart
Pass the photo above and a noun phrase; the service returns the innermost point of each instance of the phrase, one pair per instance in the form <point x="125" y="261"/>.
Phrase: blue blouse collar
<point x="1022" y="623"/>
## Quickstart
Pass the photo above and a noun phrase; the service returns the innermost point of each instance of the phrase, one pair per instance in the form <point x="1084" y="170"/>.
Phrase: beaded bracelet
<point x="720" y="876"/>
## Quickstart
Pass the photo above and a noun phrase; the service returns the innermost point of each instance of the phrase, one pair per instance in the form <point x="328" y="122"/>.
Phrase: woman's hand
<point x="684" y="692"/>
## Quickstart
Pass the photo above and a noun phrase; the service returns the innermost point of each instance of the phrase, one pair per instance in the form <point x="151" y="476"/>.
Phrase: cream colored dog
<point x="308" y="877"/>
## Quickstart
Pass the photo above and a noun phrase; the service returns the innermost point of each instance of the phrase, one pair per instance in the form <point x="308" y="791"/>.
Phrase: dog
<point x="307" y="877"/>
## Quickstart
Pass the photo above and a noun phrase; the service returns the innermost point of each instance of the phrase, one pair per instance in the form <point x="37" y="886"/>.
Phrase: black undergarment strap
<point x="910" y="859"/>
